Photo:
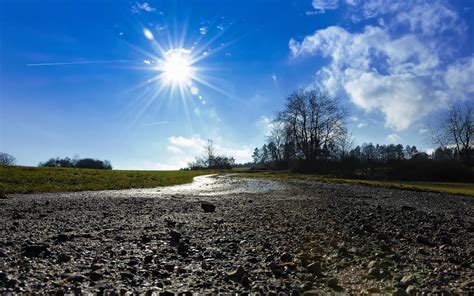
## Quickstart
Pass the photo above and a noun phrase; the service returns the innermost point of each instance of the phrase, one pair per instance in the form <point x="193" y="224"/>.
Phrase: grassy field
<point x="453" y="188"/>
<point x="32" y="179"/>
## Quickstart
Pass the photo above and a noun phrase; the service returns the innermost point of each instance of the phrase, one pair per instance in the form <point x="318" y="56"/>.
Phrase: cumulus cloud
<point x="393" y="138"/>
<point x="403" y="72"/>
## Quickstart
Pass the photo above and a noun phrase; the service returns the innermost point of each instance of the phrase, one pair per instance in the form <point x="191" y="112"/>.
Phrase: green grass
<point x="452" y="188"/>
<point x="30" y="179"/>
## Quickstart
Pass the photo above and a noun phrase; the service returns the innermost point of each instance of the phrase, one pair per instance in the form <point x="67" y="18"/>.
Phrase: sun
<point x="176" y="67"/>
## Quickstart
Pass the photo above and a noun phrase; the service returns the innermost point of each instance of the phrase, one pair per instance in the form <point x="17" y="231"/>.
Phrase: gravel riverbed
<point x="225" y="234"/>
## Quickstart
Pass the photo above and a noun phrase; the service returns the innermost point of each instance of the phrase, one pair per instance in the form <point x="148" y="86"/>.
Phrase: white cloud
<point x="393" y="139"/>
<point x="402" y="73"/>
<point x="361" y="125"/>
<point x="323" y="5"/>
<point x="203" y="30"/>
<point x="182" y="150"/>
<point x="265" y="124"/>
<point x="143" y="7"/>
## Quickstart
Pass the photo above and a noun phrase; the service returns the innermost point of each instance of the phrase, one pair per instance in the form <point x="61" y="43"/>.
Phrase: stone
<point x="314" y="293"/>
<point x="237" y="274"/>
<point x="373" y="264"/>
<point x="208" y="207"/>
<point x="332" y="283"/>
<point x="175" y="235"/>
<point x="286" y="257"/>
<point x="412" y="290"/>
<point x="423" y="240"/>
<point x="35" y="251"/>
<point x="95" y="276"/>
<point x="408" y="279"/>
<point x="314" y="268"/>
<point x="62" y="258"/>
<point x="399" y="292"/>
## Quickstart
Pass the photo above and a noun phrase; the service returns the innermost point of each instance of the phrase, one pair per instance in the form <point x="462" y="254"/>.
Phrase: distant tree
<point x="6" y="159"/>
<point x="87" y="163"/>
<point x="256" y="156"/>
<point x="210" y="160"/>
<point x="210" y="152"/>
<point x="313" y="122"/>
<point x="456" y="130"/>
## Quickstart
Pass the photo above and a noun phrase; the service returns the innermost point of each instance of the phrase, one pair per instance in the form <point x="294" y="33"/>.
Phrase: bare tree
<point x="314" y="122"/>
<point x="6" y="159"/>
<point x="456" y="130"/>
<point x="210" y="152"/>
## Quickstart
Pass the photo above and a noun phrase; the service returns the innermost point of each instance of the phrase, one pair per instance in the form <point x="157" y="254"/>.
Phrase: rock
<point x="373" y="264"/>
<point x="332" y="283"/>
<point x="408" y="279"/>
<point x="314" y="293"/>
<point x="35" y="251"/>
<point x="399" y="292"/>
<point x="237" y="274"/>
<point x="423" y="240"/>
<point x="62" y="258"/>
<point x="182" y="248"/>
<point x="76" y="278"/>
<point x="286" y="257"/>
<point x="446" y="240"/>
<point x="208" y="207"/>
<point x="412" y="290"/>
<point x="374" y="272"/>
<point x="63" y="237"/>
<point x="373" y="290"/>
<point x="95" y="276"/>
<point x="314" y="268"/>
<point x="175" y="235"/>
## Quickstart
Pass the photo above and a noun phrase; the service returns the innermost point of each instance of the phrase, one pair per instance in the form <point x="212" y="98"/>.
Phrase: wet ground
<point x="227" y="234"/>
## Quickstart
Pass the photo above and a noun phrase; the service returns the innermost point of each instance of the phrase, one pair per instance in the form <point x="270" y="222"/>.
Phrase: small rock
<point x="286" y="257"/>
<point x="399" y="292"/>
<point x="373" y="290"/>
<point x="208" y="207"/>
<point x="95" y="276"/>
<point x="412" y="290"/>
<point x="76" y="278"/>
<point x="237" y="274"/>
<point x="332" y="283"/>
<point x="374" y="272"/>
<point x="314" y="268"/>
<point x="314" y="293"/>
<point x="175" y="235"/>
<point x="423" y="240"/>
<point x="62" y="258"/>
<point x="408" y="279"/>
<point x="372" y="264"/>
<point x="35" y="250"/>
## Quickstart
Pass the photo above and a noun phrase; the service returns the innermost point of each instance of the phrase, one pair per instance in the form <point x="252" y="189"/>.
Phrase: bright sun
<point x="176" y="67"/>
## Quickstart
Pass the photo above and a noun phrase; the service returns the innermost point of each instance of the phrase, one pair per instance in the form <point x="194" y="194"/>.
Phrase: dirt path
<point x="262" y="236"/>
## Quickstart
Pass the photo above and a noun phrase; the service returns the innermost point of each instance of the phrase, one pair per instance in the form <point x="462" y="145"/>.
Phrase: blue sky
<point x="395" y="65"/>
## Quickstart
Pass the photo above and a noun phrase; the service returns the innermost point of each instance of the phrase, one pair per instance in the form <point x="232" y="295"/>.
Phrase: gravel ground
<point x="226" y="234"/>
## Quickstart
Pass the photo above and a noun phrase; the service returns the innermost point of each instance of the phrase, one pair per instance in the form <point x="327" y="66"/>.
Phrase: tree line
<point x="310" y="135"/>
<point x="84" y="163"/>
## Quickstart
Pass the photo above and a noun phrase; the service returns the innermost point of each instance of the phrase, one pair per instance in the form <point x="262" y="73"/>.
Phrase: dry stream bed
<point x="229" y="234"/>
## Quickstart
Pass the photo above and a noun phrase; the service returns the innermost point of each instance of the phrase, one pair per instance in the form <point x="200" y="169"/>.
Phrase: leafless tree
<point x="210" y="152"/>
<point x="456" y="130"/>
<point x="314" y="122"/>
<point x="6" y="159"/>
